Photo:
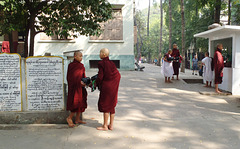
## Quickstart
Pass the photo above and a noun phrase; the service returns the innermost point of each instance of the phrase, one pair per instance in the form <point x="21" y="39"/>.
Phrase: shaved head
<point x="105" y="51"/>
<point x="77" y="53"/>
<point x="78" y="56"/>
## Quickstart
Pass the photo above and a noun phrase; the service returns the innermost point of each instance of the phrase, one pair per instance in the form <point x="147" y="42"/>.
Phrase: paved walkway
<point x="150" y="115"/>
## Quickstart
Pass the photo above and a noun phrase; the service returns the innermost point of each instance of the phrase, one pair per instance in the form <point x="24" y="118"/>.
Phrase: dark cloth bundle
<point x="173" y="58"/>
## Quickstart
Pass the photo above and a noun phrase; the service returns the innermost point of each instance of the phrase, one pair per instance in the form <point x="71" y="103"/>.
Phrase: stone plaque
<point x="44" y="83"/>
<point x="10" y="82"/>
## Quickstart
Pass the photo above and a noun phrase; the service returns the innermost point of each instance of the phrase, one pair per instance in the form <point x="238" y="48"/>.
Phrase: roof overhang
<point x="222" y="30"/>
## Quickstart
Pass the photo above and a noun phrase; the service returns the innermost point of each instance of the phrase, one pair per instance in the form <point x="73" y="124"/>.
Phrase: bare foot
<point x="219" y="92"/>
<point x="169" y="81"/>
<point x="70" y="123"/>
<point x="110" y="127"/>
<point x="102" y="128"/>
<point x="206" y="86"/>
<point x="80" y="122"/>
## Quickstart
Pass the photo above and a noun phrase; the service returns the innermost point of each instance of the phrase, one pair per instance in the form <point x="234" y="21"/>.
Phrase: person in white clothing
<point x="207" y="70"/>
<point x="167" y="67"/>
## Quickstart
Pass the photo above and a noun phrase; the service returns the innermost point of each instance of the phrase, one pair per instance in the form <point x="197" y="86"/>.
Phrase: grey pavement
<point x="150" y="115"/>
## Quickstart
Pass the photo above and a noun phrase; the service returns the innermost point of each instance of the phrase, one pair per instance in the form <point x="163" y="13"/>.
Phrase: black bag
<point x="86" y="80"/>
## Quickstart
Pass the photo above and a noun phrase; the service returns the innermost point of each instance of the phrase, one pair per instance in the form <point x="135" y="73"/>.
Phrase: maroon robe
<point x="175" y="53"/>
<point x="77" y="95"/>
<point x="5" y="47"/>
<point x="218" y="66"/>
<point x="108" y="82"/>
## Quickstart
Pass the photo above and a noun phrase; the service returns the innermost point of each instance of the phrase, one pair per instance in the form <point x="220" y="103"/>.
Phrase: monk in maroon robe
<point x="77" y="94"/>
<point x="175" y="53"/>
<point x="218" y="66"/>
<point x="108" y="82"/>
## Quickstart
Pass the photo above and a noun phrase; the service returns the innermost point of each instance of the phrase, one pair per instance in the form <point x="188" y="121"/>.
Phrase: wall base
<point x="58" y="117"/>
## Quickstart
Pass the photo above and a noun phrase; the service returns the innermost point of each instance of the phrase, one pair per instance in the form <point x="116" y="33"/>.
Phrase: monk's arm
<point x="100" y="75"/>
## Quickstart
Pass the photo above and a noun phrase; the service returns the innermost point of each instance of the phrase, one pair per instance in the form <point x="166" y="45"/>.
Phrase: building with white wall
<point x="118" y="37"/>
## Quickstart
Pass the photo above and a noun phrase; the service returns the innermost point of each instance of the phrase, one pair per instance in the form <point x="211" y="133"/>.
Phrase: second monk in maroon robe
<point x="175" y="53"/>
<point x="218" y="66"/>
<point x="108" y="83"/>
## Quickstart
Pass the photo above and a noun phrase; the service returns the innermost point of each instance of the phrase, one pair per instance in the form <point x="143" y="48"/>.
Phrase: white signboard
<point x="10" y="82"/>
<point x="44" y="83"/>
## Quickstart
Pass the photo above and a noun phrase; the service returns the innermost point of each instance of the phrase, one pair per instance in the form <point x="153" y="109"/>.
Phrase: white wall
<point x="227" y="80"/>
<point x="124" y="47"/>
<point x="236" y="65"/>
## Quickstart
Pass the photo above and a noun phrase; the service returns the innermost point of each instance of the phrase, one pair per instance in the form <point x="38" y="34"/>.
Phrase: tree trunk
<point x="26" y="43"/>
<point x="183" y="36"/>
<point x="26" y="48"/>
<point x="138" y="50"/>
<point x="32" y="34"/>
<point x="161" y="29"/>
<point x="149" y="53"/>
<point x="229" y="12"/>
<point x="217" y="11"/>
<point x="138" y="31"/>
<point x="170" y="24"/>
<point x="140" y="40"/>
<point x="148" y="18"/>
<point x="11" y="42"/>
<point x="197" y="9"/>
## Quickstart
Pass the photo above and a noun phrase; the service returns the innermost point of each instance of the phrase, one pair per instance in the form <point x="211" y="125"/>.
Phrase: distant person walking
<point x="175" y="54"/>
<point x="155" y="61"/>
<point x="218" y="66"/>
<point x="167" y="68"/>
<point x="207" y="70"/>
<point x="195" y="65"/>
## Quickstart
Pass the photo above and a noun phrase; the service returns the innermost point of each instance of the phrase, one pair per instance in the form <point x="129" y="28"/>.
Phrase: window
<point x="43" y="36"/>
<point x="94" y="63"/>
<point x="112" y="29"/>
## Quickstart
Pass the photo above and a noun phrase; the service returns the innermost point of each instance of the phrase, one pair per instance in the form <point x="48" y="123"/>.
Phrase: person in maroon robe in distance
<point x="175" y="53"/>
<point x="218" y="66"/>
<point x="5" y="47"/>
<point x="108" y="82"/>
<point x="77" y="94"/>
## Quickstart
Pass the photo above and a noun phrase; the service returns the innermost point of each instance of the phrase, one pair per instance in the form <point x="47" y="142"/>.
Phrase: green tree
<point x="236" y="12"/>
<point x="59" y="17"/>
<point x="12" y="16"/>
